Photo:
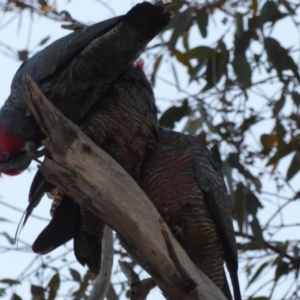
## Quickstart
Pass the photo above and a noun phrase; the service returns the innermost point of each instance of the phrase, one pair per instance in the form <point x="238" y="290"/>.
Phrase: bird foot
<point x="74" y="25"/>
<point x="177" y="231"/>
<point x="88" y="130"/>
<point x="164" y="213"/>
<point x="31" y="151"/>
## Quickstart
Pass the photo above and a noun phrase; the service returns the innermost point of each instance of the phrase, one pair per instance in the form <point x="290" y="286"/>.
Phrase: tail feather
<point x="60" y="229"/>
<point x="88" y="239"/>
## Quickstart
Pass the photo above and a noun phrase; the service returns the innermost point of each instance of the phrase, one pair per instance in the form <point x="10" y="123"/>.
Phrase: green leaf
<point x="268" y="11"/>
<point x="296" y="252"/>
<point x="242" y="70"/>
<point x="201" y="52"/>
<point x="202" y="21"/>
<point x="288" y="7"/>
<point x="275" y="50"/>
<point x="10" y="282"/>
<point x="215" y="151"/>
<point x="83" y="286"/>
<point x="75" y="275"/>
<point x="239" y="208"/>
<point x="44" y="40"/>
<point x="248" y="122"/>
<point x="239" y="23"/>
<point x="155" y="68"/>
<point x="282" y="269"/>
<point x="278" y="105"/>
<point x="282" y="151"/>
<point x="174" y="114"/>
<point x="182" y="57"/>
<point x="216" y="68"/>
<point x="254" y="6"/>
<point x="257" y="232"/>
<point x="233" y="159"/>
<point x="111" y="294"/>
<point x="37" y="292"/>
<point x="268" y="141"/>
<point x="5" y="220"/>
<point x="181" y="21"/>
<point x="53" y="284"/>
<point x="185" y="40"/>
<point x="252" y="203"/>
<point x="15" y="297"/>
<point x="2" y="292"/>
<point x="174" y="9"/>
<point x="257" y="273"/>
<point x="294" y="167"/>
<point x="296" y="98"/>
<point x="282" y="247"/>
<point x="175" y="76"/>
<point x="8" y="237"/>
<point x="195" y="71"/>
<point x="249" y="246"/>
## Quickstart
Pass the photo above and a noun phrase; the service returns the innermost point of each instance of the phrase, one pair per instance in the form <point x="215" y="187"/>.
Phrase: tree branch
<point x="90" y="176"/>
<point x="107" y="258"/>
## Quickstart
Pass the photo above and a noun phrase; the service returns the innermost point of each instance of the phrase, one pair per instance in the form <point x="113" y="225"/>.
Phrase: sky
<point x="14" y="190"/>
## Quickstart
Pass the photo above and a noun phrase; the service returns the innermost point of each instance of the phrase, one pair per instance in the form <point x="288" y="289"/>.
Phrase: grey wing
<point x="211" y="183"/>
<point x="61" y="51"/>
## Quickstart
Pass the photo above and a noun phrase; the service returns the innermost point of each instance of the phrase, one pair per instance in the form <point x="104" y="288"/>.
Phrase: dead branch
<point x="90" y="176"/>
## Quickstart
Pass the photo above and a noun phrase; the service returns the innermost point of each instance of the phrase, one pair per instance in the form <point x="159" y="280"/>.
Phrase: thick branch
<point x="97" y="182"/>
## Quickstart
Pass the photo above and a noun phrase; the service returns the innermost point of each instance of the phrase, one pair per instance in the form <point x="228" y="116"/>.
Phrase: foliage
<point x="244" y="104"/>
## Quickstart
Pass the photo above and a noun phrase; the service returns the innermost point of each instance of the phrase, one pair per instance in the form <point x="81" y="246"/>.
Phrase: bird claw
<point x="164" y="213"/>
<point x="87" y="129"/>
<point x="74" y="25"/>
<point x="42" y="152"/>
<point x="177" y="231"/>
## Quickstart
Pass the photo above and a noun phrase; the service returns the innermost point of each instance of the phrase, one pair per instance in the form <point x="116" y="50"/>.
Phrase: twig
<point x="107" y="257"/>
<point x="22" y="211"/>
<point x="268" y="246"/>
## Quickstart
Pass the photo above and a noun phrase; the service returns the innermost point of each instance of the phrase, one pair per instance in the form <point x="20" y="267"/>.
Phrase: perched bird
<point x="177" y="172"/>
<point x="124" y="124"/>
<point x="186" y="186"/>
<point x="73" y="72"/>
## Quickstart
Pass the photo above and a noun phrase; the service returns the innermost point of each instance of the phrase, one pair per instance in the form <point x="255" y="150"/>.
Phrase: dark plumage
<point x="124" y="124"/>
<point x="74" y="72"/>
<point x="186" y="186"/>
